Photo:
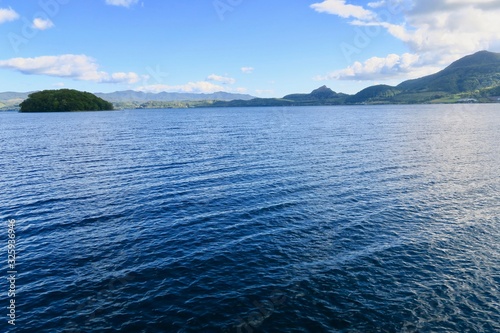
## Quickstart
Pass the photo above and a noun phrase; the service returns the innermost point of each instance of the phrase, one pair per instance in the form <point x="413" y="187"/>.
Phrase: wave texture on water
<point x="328" y="219"/>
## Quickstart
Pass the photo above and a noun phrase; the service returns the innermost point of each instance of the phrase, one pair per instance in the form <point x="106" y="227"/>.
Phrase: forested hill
<point x="64" y="100"/>
<point x="474" y="72"/>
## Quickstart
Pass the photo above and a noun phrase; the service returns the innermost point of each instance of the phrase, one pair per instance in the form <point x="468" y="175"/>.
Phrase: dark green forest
<point x="64" y="100"/>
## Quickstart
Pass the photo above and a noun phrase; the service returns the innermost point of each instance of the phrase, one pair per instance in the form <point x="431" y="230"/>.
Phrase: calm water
<point x="331" y="219"/>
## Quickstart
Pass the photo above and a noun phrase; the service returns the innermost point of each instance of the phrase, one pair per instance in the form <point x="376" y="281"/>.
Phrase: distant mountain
<point x="11" y="100"/>
<point x="131" y="99"/>
<point x="5" y="96"/>
<point x="139" y="96"/>
<point x="321" y="96"/>
<point x="321" y="93"/>
<point x="137" y="99"/>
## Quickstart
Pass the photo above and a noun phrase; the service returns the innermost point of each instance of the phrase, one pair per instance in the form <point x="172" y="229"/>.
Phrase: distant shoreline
<point x="248" y="107"/>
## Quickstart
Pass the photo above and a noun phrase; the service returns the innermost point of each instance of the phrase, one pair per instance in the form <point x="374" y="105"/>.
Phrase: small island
<point x="64" y="100"/>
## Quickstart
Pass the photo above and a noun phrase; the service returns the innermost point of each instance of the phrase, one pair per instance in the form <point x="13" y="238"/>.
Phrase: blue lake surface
<point x="318" y="219"/>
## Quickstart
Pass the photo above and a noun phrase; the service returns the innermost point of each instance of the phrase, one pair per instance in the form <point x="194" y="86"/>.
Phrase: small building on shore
<point x="467" y="100"/>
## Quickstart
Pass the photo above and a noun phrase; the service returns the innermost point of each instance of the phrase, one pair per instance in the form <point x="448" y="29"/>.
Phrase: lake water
<point x="319" y="219"/>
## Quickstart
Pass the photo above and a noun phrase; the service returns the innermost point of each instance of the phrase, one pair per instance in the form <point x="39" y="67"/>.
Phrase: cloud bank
<point x="436" y="32"/>
<point x="78" y="67"/>
<point x="191" y="87"/>
<point x="213" y="83"/>
<point x="340" y="8"/>
<point x="85" y="68"/>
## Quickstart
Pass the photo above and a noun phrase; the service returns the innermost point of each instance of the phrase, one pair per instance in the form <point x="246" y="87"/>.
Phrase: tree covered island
<point x="64" y="100"/>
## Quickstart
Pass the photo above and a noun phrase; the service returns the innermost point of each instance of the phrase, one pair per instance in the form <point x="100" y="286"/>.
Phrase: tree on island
<point x="64" y="100"/>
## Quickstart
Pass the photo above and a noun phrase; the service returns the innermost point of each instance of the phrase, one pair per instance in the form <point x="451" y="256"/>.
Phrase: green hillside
<point x="475" y="72"/>
<point x="321" y="96"/>
<point x="476" y="77"/>
<point x="380" y="93"/>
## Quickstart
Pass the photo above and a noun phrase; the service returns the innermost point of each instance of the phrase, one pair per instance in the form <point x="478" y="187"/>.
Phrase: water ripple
<point x="332" y="219"/>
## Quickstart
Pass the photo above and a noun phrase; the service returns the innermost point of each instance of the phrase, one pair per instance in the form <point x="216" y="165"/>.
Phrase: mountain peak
<point x="323" y="92"/>
<point x="323" y="88"/>
<point x="478" y="58"/>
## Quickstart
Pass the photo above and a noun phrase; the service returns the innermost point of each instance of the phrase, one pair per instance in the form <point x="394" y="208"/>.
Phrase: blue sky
<point x="265" y="48"/>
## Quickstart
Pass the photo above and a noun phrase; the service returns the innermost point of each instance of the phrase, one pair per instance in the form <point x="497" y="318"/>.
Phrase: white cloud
<point x="121" y="77"/>
<point x="247" y="70"/>
<point x="122" y="3"/>
<point x="340" y="8"/>
<point x="221" y="79"/>
<point x="436" y="32"/>
<point x="191" y="87"/>
<point x="7" y="15"/>
<point x="377" y="4"/>
<point x="393" y="66"/>
<point x="78" y="67"/>
<point x="453" y="27"/>
<point x="41" y="24"/>
<point x="199" y="87"/>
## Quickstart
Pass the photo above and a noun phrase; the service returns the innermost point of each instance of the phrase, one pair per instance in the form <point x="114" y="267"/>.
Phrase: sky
<point x="265" y="48"/>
